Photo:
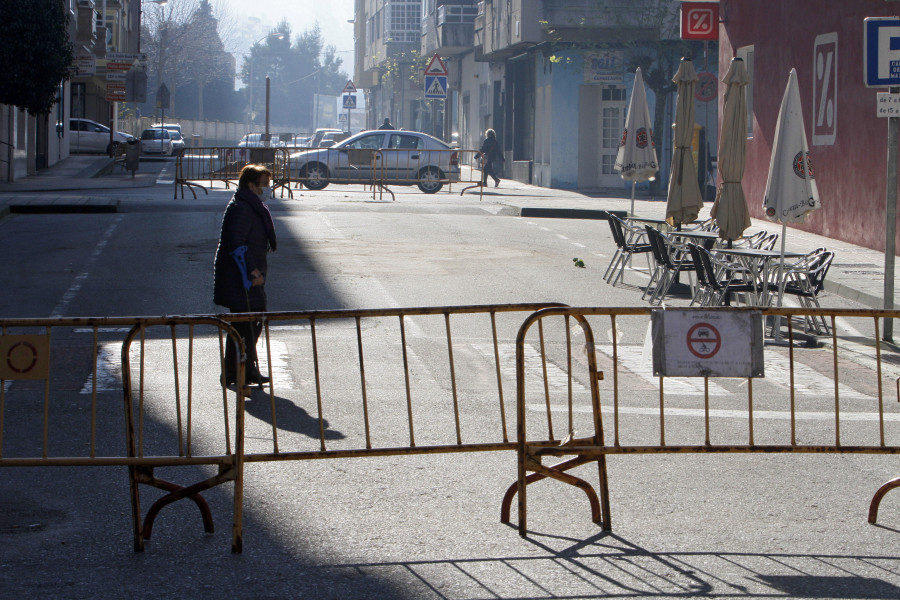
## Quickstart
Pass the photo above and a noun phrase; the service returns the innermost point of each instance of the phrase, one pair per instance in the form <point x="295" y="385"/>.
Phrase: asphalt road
<point x="719" y="526"/>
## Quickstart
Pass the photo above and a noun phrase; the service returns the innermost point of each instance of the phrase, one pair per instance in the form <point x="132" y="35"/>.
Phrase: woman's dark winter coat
<point x="246" y="223"/>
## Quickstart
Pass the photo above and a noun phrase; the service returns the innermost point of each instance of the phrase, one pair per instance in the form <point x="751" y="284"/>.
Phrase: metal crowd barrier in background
<point x="779" y="422"/>
<point x="81" y="423"/>
<point x="224" y="164"/>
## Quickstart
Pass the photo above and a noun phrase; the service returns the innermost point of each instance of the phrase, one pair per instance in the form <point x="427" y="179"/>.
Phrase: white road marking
<point x="73" y="290"/>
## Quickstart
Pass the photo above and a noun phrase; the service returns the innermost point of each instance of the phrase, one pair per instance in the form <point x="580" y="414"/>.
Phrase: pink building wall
<point x="851" y="171"/>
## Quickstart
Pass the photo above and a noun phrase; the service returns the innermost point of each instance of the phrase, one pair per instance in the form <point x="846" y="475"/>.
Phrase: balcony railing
<point x="456" y="13"/>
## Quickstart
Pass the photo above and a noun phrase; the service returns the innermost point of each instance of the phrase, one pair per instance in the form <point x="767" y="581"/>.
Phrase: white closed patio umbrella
<point x="684" y="201"/>
<point x="791" y="191"/>
<point x="730" y="207"/>
<point x="636" y="159"/>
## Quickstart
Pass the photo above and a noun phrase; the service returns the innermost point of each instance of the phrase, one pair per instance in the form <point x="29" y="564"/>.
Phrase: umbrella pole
<point x="632" y="197"/>
<point x="776" y="329"/>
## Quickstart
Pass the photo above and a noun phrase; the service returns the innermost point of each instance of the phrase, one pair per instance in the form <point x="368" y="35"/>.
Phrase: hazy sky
<point x="257" y="17"/>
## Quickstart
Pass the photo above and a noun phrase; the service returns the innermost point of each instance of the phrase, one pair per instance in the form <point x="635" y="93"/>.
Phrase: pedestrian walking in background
<point x="387" y="124"/>
<point x="492" y="155"/>
<point x="248" y="235"/>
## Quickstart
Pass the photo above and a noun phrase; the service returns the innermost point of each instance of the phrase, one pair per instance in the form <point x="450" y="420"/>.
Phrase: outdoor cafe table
<point x="758" y="262"/>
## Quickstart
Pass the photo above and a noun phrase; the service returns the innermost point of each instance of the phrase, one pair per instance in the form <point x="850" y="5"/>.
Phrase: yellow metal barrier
<point x="690" y="429"/>
<point x="225" y="163"/>
<point x="76" y="427"/>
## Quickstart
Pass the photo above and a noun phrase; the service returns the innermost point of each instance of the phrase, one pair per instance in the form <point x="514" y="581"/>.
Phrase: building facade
<point x="823" y="40"/>
<point x="551" y="77"/>
<point x="96" y="27"/>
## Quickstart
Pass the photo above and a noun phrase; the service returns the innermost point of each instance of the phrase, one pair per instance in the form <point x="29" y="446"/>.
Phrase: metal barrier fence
<point x="80" y="423"/>
<point x="378" y="168"/>
<point x="225" y="163"/>
<point x="828" y="417"/>
<point x="439" y="387"/>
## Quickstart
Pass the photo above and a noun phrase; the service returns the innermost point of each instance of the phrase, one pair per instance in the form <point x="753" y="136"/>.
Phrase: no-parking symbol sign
<point x="705" y="343"/>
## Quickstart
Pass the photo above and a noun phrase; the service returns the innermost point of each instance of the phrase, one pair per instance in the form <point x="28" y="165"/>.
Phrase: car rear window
<point x="152" y="134"/>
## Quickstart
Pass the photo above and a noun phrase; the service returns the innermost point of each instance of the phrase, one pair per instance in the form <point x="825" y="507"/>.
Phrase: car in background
<point x="170" y="127"/>
<point x="409" y="157"/>
<point x="156" y="141"/>
<point x="255" y="140"/>
<point x="177" y="142"/>
<point x="332" y="137"/>
<point x="319" y="134"/>
<point x="89" y="136"/>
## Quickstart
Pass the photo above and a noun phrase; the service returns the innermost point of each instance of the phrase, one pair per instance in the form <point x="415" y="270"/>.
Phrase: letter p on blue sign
<point x="881" y="51"/>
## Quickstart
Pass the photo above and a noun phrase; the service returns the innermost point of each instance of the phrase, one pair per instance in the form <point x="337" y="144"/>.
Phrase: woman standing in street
<point x="248" y="234"/>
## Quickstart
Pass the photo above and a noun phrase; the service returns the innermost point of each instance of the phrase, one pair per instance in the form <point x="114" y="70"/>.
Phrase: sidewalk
<point x="856" y="274"/>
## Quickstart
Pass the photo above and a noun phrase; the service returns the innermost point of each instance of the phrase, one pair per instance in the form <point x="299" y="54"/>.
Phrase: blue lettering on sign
<point x="895" y="67"/>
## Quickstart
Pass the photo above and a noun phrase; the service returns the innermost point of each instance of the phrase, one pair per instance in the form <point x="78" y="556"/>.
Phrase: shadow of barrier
<point x="438" y="388"/>
<point x="224" y="164"/>
<point x="809" y="410"/>
<point x="380" y="168"/>
<point x="143" y="361"/>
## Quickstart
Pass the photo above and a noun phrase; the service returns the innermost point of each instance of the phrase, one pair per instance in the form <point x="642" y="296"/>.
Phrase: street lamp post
<point x="278" y="36"/>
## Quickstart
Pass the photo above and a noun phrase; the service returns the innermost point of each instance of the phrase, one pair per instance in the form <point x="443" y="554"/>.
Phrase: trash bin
<point x="132" y="155"/>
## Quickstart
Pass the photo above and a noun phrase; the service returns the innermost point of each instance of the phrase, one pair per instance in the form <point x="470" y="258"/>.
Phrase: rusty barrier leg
<point x="141" y="471"/>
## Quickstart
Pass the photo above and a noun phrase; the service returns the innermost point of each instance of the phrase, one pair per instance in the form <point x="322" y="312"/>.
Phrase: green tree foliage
<point x="36" y="53"/>
<point x="296" y="72"/>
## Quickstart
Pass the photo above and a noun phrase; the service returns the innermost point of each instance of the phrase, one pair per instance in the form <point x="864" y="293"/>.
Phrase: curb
<point x="569" y="213"/>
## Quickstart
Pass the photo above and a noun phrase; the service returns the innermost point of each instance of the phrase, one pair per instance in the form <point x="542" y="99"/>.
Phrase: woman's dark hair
<point x="252" y="174"/>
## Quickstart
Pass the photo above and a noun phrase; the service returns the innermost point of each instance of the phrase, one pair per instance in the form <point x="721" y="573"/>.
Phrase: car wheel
<point x="430" y="180"/>
<point x="314" y="176"/>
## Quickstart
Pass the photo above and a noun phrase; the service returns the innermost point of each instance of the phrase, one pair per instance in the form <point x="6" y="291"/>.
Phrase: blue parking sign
<point x="881" y="52"/>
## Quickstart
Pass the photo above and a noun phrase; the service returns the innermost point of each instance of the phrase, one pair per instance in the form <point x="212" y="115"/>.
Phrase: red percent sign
<point x="17" y="365"/>
<point x="704" y="340"/>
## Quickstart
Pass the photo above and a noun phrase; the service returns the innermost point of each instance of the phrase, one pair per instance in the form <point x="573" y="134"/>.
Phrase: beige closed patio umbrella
<point x="684" y="201"/>
<point x="730" y="207"/>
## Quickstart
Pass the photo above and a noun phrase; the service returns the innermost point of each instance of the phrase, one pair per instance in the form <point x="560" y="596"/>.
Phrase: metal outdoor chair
<point x="718" y="281"/>
<point x="674" y="258"/>
<point x="805" y="280"/>
<point x="629" y="241"/>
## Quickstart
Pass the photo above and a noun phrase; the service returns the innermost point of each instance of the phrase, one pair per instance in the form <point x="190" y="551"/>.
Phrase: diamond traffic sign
<point x="436" y="86"/>
<point x="436" y="67"/>
<point x="349" y="88"/>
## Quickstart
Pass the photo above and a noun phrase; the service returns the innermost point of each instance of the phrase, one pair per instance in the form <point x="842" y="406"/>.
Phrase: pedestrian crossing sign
<point x="436" y="86"/>
<point x="350" y="101"/>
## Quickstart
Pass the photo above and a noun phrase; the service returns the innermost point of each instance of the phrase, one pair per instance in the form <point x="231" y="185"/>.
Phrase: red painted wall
<point x="851" y="172"/>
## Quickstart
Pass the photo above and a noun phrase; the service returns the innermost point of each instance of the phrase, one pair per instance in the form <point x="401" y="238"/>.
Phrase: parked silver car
<point x="89" y="136"/>
<point x="157" y="141"/>
<point x="407" y="157"/>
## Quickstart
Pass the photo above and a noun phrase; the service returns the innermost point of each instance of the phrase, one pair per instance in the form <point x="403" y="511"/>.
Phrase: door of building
<point x="602" y="121"/>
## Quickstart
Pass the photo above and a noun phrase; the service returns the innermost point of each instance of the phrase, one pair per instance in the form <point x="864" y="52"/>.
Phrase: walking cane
<point x="238" y="255"/>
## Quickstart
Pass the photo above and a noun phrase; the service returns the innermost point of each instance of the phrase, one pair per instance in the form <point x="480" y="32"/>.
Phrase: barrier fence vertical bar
<point x="141" y="393"/>
<point x="879" y="375"/>
<point x="409" y="408"/>
<point x="546" y="380"/>
<point x="750" y="408"/>
<point x="46" y="409"/>
<point x="190" y="397"/>
<point x="178" y="424"/>
<point x="566" y="319"/>
<point x="793" y="396"/>
<point x="453" y="377"/>
<point x="706" y="407"/>
<point x="837" y="397"/>
<point x="615" y="366"/>
<point x="95" y="345"/>
<point x="315" y="351"/>
<point x="362" y="378"/>
<point x="521" y="430"/>
<point x="271" y="386"/>
<point x="662" y="417"/>
<point x="499" y="377"/>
